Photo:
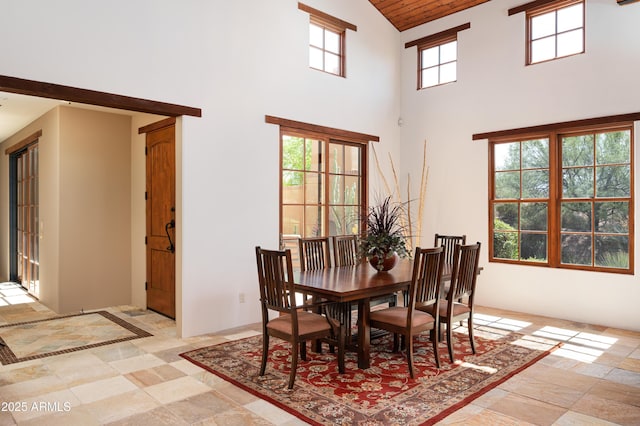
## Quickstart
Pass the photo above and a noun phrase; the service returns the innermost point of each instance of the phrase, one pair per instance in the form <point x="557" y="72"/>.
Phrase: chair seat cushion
<point x="308" y="323"/>
<point x="397" y="316"/>
<point x="458" y="309"/>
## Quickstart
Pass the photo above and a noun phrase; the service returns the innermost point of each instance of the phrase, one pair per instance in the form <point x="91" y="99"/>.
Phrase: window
<point x="438" y="57"/>
<point x="564" y="199"/>
<point x="555" y="29"/>
<point x="326" y="41"/>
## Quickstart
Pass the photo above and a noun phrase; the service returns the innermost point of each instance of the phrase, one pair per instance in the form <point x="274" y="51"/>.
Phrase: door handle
<point x="168" y="226"/>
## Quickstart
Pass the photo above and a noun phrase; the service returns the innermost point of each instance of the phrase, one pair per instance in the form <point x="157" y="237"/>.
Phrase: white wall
<point x="496" y="91"/>
<point x="237" y="61"/>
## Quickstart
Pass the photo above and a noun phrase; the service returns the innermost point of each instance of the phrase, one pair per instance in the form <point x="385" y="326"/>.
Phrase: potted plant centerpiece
<point x="385" y="239"/>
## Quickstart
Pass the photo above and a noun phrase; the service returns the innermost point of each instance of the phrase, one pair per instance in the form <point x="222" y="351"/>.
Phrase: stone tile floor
<point x="594" y="379"/>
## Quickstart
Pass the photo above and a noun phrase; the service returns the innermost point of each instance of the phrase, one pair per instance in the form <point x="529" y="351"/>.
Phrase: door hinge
<point x="146" y="286"/>
<point x="145" y="240"/>
<point x="146" y="150"/>
<point x="146" y="195"/>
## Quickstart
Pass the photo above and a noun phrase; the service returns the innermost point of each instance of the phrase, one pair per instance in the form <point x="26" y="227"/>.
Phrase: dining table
<point x="359" y="283"/>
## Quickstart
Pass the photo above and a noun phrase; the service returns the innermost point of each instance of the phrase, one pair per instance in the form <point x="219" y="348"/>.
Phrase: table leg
<point x="364" y="334"/>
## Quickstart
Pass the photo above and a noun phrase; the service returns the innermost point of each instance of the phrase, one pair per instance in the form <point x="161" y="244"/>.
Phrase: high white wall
<point x="237" y="61"/>
<point x="496" y="91"/>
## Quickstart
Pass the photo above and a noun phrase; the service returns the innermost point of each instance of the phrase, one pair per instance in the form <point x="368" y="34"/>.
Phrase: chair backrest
<point x="449" y="242"/>
<point x="314" y="253"/>
<point x="275" y="276"/>
<point x="426" y="279"/>
<point x="345" y="250"/>
<point x="465" y="272"/>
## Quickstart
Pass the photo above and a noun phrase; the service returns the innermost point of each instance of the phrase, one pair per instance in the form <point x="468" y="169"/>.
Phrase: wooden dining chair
<point x="314" y="252"/>
<point x="463" y="287"/>
<point x="345" y="250"/>
<point x="294" y="325"/>
<point x="449" y="242"/>
<point x="408" y="321"/>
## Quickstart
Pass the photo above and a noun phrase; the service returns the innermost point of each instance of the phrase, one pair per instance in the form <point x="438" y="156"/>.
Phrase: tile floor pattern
<point x="594" y="379"/>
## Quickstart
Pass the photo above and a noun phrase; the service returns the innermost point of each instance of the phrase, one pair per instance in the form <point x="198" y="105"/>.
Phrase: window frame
<point x="436" y="40"/>
<point x="334" y="25"/>
<point x="554" y="232"/>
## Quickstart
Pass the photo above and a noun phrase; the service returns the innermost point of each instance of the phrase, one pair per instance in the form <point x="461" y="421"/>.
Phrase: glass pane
<point x="316" y="35"/>
<point x="507" y="185"/>
<point x="352" y="160"/>
<point x="336" y="189"/>
<point x="316" y="58"/>
<point x="570" y="18"/>
<point x="313" y="188"/>
<point x="533" y="216"/>
<point x="448" y="73"/>
<point x="576" y="217"/>
<point x="292" y="220"/>
<point x="313" y="222"/>
<point x="576" y="249"/>
<point x="505" y="216"/>
<point x="332" y="41"/>
<point x="613" y="181"/>
<point x="292" y="152"/>
<point x="336" y="158"/>
<point x="430" y="77"/>
<point x="506" y="156"/>
<point x="429" y="57"/>
<point x="577" y="150"/>
<point x="543" y="25"/>
<point x="543" y="49"/>
<point x="313" y="155"/>
<point x="613" y="147"/>
<point x="570" y="43"/>
<point x="448" y="52"/>
<point x="337" y="220"/>
<point x="533" y="247"/>
<point x="352" y="190"/>
<point x="612" y="251"/>
<point x="292" y="187"/>
<point x="505" y="245"/>
<point x="612" y="218"/>
<point x="577" y="182"/>
<point x="535" y="154"/>
<point x="331" y="63"/>
<point x="535" y="184"/>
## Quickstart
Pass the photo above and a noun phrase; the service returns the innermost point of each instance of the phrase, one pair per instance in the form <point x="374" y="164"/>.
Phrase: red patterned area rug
<point x="383" y="394"/>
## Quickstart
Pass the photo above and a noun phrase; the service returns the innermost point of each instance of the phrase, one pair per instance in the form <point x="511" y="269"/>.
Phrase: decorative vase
<point x="387" y="264"/>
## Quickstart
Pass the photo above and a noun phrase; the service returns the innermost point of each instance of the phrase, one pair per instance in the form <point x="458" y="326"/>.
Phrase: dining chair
<point x="449" y="242"/>
<point x="345" y="250"/>
<point x="294" y="325"/>
<point x="314" y="252"/>
<point x="463" y="287"/>
<point x="408" y="321"/>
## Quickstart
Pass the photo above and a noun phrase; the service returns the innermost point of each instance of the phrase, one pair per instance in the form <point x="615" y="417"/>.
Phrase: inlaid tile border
<point x="8" y="357"/>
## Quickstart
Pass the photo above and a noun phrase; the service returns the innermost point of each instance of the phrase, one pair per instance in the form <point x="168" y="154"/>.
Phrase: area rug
<point x="43" y="338"/>
<point x="383" y="394"/>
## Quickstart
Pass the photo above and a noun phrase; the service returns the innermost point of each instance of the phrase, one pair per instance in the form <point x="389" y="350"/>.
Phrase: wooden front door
<point x="161" y="196"/>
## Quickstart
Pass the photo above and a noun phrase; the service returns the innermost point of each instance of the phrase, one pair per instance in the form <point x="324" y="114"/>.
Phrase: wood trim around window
<point x="24" y="143"/>
<point x="92" y="97"/>
<point x="545" y="128"/>
<point x="335" y="133"/>
<point x="540" y="4"/>
<point x="437" y="38"/>
<point x="337" y="22"/>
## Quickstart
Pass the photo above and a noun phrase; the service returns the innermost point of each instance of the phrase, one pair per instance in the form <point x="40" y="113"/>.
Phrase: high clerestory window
<point x="327" y="41"/>
<point x="438" y="57"/>
<point x="555" y="29"/>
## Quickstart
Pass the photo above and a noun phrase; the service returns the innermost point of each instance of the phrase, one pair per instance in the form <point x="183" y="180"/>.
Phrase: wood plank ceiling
<point x="405" y="14"/>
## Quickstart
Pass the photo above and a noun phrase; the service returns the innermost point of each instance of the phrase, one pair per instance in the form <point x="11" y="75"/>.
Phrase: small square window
<point x="437" y="64"/>
<point x="555" y="31"/>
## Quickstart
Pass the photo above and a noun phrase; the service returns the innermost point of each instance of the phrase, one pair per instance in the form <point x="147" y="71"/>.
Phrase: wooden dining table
<point x="358" y="284"/>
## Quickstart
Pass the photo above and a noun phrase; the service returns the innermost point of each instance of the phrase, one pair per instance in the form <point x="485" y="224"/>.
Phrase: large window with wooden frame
<point x="327" y="41"/>
<point x="564" y="198"/>
<point x="555" y="29"/>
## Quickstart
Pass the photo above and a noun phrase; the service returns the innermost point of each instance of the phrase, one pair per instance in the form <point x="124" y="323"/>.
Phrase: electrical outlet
<point x="241" y="297"/>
